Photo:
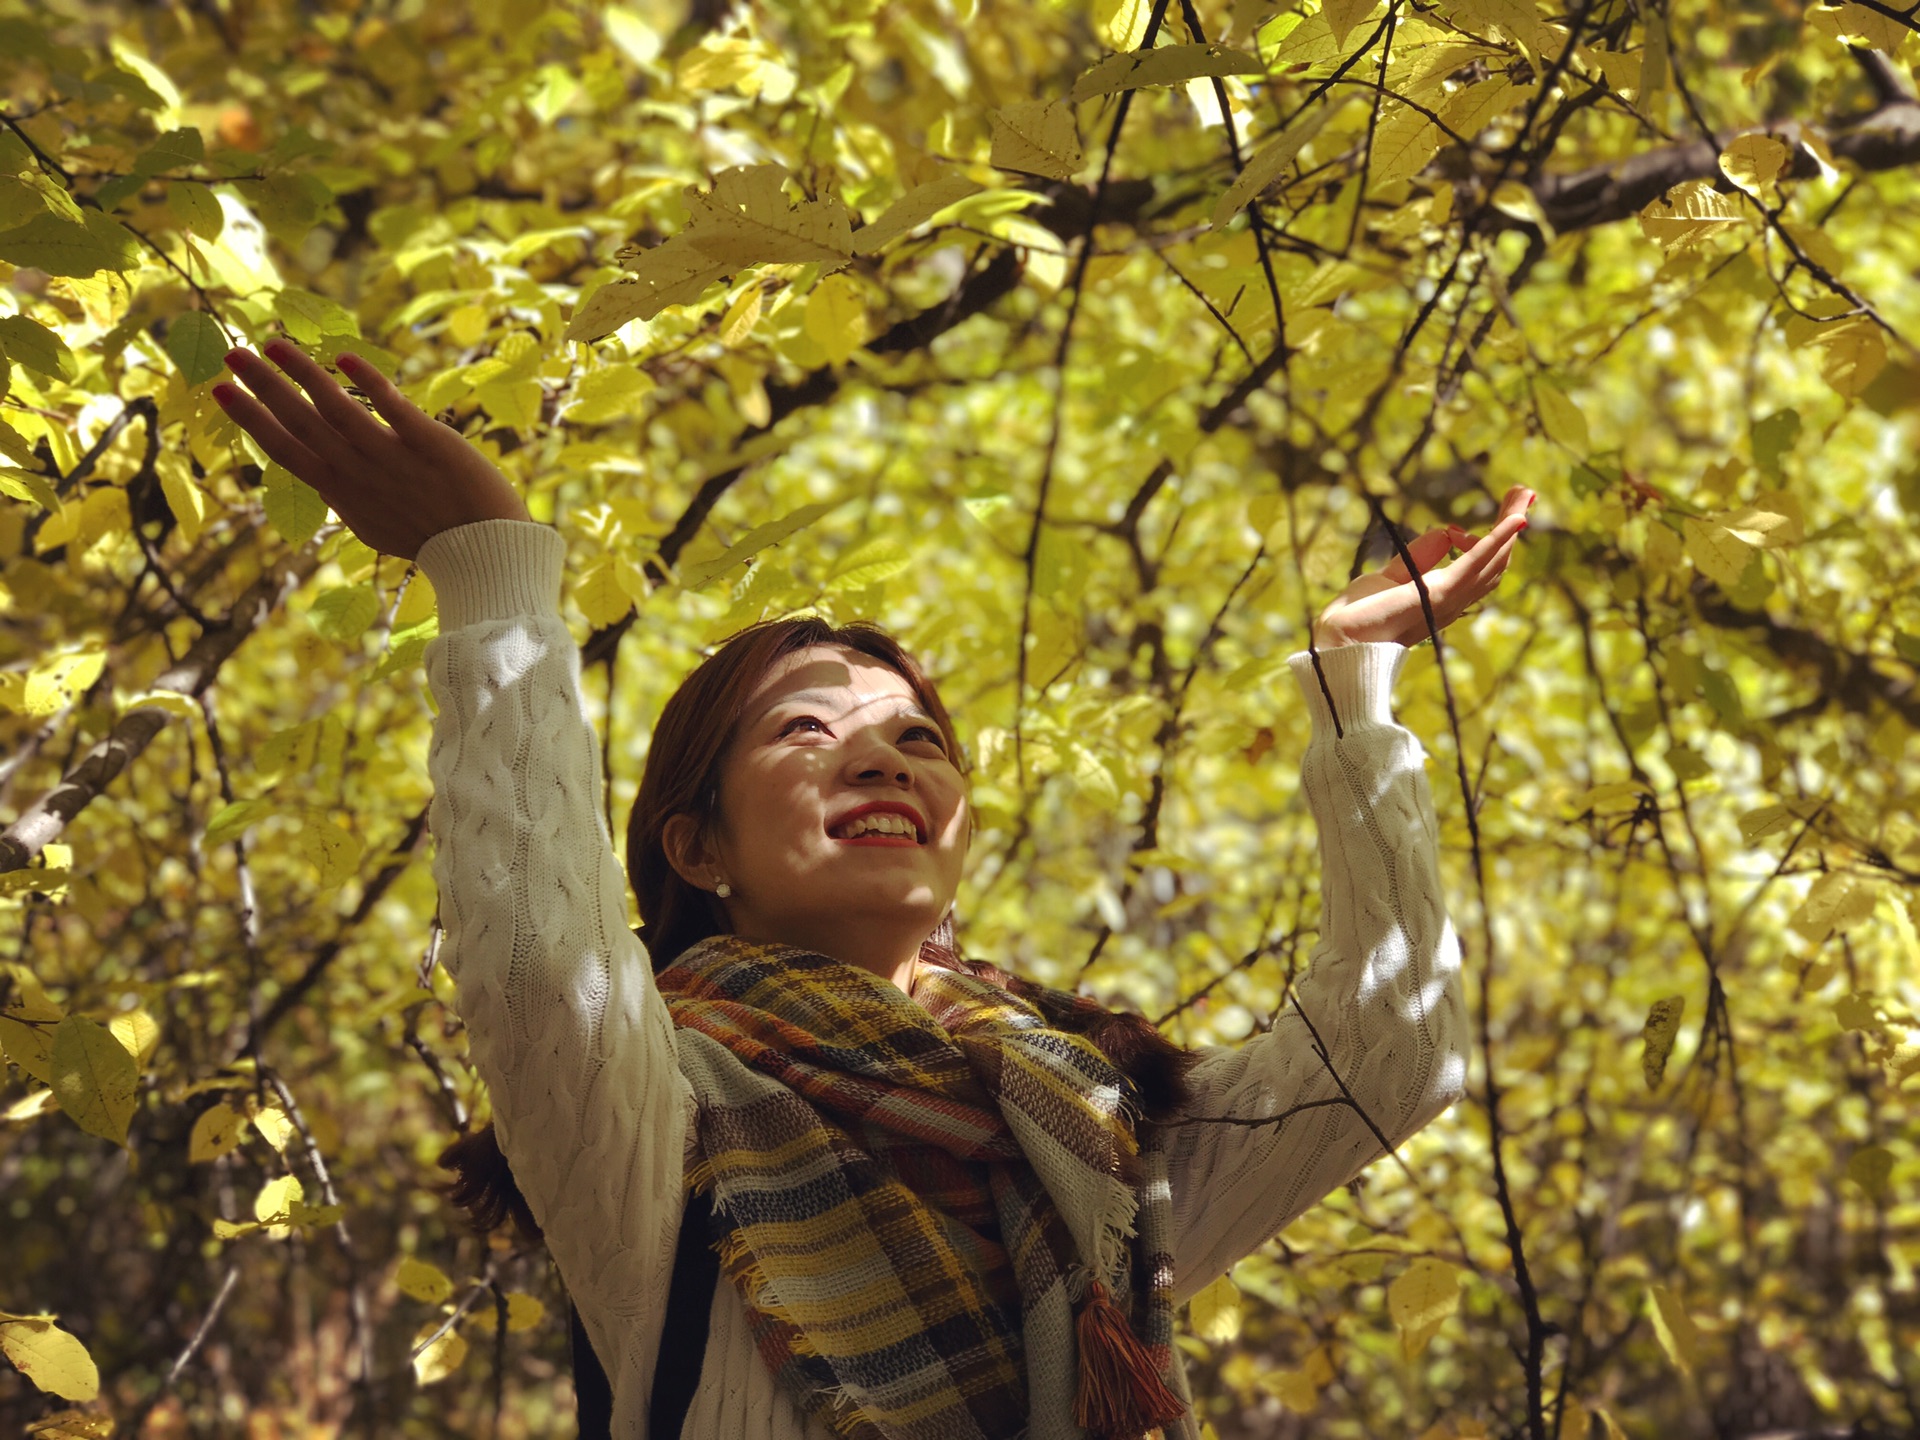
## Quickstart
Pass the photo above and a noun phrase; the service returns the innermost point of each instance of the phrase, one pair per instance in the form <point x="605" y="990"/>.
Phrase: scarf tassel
<point x="1121" y="1395"/>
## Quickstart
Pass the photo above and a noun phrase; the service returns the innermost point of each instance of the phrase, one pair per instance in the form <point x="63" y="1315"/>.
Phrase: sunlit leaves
<point x="1167" y="65"/>
<point x="422" y="1281"/>
<point x="836" y="317"/>
<point x="1269" y="163"/>
<point x="1754" y="162"/>
<point x="438" y="1358"/>
<point x="50" y="1357"/>
<point x="1692" y="213"/>
<point x="1835" y="902"/>
<point x="293" y="507"/>
<point x="217" y="1132"/>
<point x="1420" y="1300"/>
<point x="198" y="346"/>
<point x="1678" y="1334"/>
<point x="94" y="1078"/>
<point x="28" y="342"/>
<point x="746" y="219"/>
<point x="1038" y="137"/>
<point x="752" y="543"/>
<point x="1215" y="1312"/>
<point x="912" y="210"/>
<point x="1122" y="23"/>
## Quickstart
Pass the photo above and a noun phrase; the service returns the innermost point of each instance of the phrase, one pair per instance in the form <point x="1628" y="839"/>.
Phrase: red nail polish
<point x="223" y="394"/>
<point x="1523" y="524"/>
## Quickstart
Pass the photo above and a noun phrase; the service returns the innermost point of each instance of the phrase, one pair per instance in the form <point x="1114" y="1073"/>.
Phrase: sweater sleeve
<point x="1382" y="991"/>
<point x="563" y="1021"/>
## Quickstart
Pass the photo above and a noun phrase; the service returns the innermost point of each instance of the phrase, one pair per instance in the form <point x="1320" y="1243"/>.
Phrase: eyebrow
<point x="821" y="697"/>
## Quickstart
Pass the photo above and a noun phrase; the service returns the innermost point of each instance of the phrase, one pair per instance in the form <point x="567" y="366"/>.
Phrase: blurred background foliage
<point x="1154" y="352"/>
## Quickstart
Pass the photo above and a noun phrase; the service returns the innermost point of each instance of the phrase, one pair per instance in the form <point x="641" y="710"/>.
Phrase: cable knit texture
<point x="577" y="1049"/>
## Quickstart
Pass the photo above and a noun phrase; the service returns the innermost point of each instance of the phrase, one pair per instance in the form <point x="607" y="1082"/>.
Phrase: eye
<point x="929" y="733"/>
<point x="798" y="720"/>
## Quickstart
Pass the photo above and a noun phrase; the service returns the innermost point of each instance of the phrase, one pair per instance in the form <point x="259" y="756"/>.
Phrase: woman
<point x="946" y="1203"/>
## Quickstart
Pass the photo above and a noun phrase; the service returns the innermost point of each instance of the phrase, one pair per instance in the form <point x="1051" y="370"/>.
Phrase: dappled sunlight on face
<point x="840" y="807"/>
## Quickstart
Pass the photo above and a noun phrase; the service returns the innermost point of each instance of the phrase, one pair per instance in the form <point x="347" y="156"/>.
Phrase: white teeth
<point x="878" y="824"/>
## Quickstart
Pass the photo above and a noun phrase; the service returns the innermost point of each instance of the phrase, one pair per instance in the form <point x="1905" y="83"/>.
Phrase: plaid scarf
<point x="916" y="1194"/>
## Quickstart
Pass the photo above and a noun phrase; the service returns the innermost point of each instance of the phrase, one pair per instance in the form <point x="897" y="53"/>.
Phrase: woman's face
<point x="843" y="821"/>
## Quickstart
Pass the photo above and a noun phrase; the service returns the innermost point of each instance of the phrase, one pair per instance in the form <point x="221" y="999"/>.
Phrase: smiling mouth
<point x="881" y="827"/>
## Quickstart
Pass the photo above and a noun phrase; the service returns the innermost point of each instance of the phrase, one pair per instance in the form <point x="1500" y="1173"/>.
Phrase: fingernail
<point x="223" y="394"/>
<point x="1523" y="524"/>
<point x="346" y="362"/>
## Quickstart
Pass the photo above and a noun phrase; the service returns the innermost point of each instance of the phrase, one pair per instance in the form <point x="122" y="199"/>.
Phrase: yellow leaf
<point x="53" y="683"/>
<point x="1857" y="1012"/>
<point x="48" y="1356"/>
<point x="1166" y="65"/>
<point x="1469" y="111"/>
<point x="746" y="219"/>
<point x="1754" y="162"/>
<point x="1835" y="902"/>
<point x="1663" y="1025"/>
<point x="1690" y="213"/>
<point x="836" y="317"/>
<point x="1561" y="418"/>
<point x="272" y="1123"/>
<point x="870" y="564"/>
<point x="273" y="1206"/>
<point x="736" y="326"/>
<point x="1037" y="138"/>
<point x="1854" y="355"/>
<point x="94" y="1078"/>
<point x="675" y="273"/>
<point x="1871" y="1168"/>
<point x="422" y="1281"/>
<point x="599" y="595"/>
<point x="1122" y="23"/>
<point x="1763" y="528"/>
<point x="71" y="1425"/>
<point x="1719" y="554"/>
<point x="1215" y="1312"/>
<point x="909" y="212"/>
<point x="1420" y="1301"/>
<point x="1343" y="15"/>
<point x="1403" y="143"/>
<point x="1268" y="163"/>
<point x="1675" y="1327"/>
<point x="334" y="852"/>
<point x="138" y="1031"/>
<point x="1612" y="1426"/>
<point x="29" y="1107"/>
<point x="523" y="1311"/>
<point x="1856" y="23"/>
<point x="441" y="1358"/>
<point x="215" y="1133"/>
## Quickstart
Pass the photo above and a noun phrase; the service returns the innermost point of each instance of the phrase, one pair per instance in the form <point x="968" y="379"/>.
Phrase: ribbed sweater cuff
<point x="493" y="569"/>
<point x="1360" y="679"/>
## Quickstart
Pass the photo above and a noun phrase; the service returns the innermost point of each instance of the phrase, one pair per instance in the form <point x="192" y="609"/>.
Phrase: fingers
<point x="254" y="418"/>
<point x="344" y="414"/>
<point x="290" y="408"/>
<point x="408" y="420"/>
<point x="1427" y="550"/>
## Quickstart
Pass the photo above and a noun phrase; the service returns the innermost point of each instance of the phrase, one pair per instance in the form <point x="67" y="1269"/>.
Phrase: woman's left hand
<point x="1386" y="606"/>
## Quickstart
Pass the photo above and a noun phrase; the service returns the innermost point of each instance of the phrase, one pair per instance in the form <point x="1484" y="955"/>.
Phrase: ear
<point x="687" y="851"/>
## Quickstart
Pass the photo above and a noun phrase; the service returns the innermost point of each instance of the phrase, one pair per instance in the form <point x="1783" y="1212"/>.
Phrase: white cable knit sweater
<point x="577" y="1049"/>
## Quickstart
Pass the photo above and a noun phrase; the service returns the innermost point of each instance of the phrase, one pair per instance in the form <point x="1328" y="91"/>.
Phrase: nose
<point x="879" y="761"/>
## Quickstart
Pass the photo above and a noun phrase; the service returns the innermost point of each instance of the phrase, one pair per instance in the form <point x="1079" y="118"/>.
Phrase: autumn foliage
<point x="1090" y="344"/>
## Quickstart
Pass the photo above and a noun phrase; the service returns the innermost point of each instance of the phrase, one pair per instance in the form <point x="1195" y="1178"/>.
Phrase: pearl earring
<point x="723" y="890"/>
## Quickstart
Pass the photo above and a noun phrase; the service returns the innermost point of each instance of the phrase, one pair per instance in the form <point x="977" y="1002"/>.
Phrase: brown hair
<point x="682" y="777"/>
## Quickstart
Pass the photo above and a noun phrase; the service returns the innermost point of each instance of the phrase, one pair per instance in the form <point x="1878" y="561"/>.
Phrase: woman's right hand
<point x="395" y="485"/>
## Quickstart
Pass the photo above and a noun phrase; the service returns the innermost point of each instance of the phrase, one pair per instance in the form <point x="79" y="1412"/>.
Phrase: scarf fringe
<point x="1121" y="1395"/>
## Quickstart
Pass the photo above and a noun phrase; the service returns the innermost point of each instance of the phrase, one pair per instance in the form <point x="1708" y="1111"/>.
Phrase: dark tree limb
<point x="1843" y="678"/>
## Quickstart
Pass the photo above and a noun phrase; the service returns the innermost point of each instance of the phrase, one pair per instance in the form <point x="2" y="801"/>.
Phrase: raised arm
<point x="563" y="1019"/>
<point x="1382" y="991"/>
<point x="1374" y="1044"/>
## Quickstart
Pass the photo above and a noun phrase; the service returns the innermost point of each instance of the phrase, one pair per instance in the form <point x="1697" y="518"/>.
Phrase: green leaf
<point x="229" y="821"/>
<point x="94" y="1078"/>
<point x="59" y="247"/>
<point x="308" y="317"/>
<point x="1421" y="1300"/>
<point x="344" y="613"/>
<point x="293" y="507"/>
<point x="194" y="207"/>
<point x="872" y="563"/>
<point x="196" y="343"/>
<point x="174" y="150"/>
